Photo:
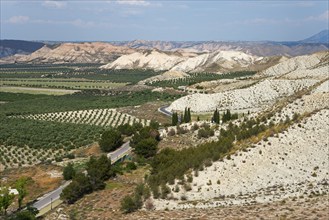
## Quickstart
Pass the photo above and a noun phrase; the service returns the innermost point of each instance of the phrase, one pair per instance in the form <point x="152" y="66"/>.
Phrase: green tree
<point x="6" y="199"/>
<point x="187" y="115"/>
<point x="21" y="188"/>
<point x="174" y="119"/>
<point x="126" y="129"/>
<point x="146" y="148"/>
<point x="216" y="116"/>
<point x="69" y="172"/>
<point x="79" y="186"/>
<point x="110" y="140"/>
<point x="99" y="170"/>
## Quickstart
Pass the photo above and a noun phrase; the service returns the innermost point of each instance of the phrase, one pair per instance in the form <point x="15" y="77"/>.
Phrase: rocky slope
<point x="96" y="52"/>
<point x="301" y="64"/>
<point x="154" y="60"/>
<point x="291" y="164"/>
<point x="253" y="98"/>
<point x="219" y="61"/>
<point x="283" y="79"/>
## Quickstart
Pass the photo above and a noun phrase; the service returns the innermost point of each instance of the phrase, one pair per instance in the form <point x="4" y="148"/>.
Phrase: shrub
<point x="68" y="172"/>
<point x="146" y="148"/>
<point x="128" y="204"/>
<point x="131" y="166"/>
<point x="187" y="187"/>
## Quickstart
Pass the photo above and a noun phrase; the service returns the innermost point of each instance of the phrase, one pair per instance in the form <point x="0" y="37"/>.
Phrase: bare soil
<point x="41" y="179"/>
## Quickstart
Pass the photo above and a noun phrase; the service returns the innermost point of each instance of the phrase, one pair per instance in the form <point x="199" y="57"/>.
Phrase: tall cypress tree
<point x="174" y="118"/>
<point x="216" y="116"/>
<point x="189" y="114"/>
<point x="185" y="115"/>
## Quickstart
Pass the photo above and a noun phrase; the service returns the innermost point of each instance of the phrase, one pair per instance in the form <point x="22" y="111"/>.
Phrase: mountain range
<point x="12" y="51"/>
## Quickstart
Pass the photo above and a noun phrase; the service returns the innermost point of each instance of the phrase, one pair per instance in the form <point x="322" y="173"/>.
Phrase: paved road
<point x="164" y="110"/>
<point x="50" y="197"/>
<point x="122" y="151"/>
<point x="55" y="195"/>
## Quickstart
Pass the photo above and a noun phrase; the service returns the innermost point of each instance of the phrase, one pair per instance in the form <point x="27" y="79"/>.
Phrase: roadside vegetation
<point x="7" y="198"/>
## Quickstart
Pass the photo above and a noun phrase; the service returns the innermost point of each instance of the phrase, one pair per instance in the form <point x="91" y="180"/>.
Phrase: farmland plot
<point x="98" y="117"/>
<point x="13" y="156"/>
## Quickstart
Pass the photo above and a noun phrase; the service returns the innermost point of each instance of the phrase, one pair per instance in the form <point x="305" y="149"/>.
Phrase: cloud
<point x="134" y="2"/>
<point x="321" y="17"/>
<point x="18" y="19"/>
<point x="138" y="3"/>
<point x="130" y="12"/>
<point x="54" y="4"/>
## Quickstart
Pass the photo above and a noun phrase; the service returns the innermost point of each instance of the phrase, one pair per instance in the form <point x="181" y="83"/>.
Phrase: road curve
<point x="164" y="110"/>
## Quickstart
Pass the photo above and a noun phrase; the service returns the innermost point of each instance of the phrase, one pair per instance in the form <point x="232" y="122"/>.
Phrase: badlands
<point x="291" y="164"/>
<point x="281" y="80"/>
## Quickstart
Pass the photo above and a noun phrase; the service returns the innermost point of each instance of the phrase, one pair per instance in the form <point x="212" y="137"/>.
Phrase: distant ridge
<point x="321" y="37"/>
<point x="12" y="47"/>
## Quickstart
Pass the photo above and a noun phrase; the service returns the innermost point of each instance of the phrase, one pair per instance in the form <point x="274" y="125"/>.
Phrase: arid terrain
<point x="186" y="131"/>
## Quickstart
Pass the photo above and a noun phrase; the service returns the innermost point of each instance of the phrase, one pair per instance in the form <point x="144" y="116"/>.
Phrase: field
<point x="49" y="111"/>
<point x="29" y="90"/>
<point x="73" y="71"/>
<point x="53" y="126"/>
<point x="99" y="117"/>
<point x="60" y="83"/>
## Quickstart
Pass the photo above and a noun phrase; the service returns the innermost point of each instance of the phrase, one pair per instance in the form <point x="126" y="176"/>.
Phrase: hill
<point x="215" y="62"/>
<point x="12" y="47"/>
<point x="96" y="52"/>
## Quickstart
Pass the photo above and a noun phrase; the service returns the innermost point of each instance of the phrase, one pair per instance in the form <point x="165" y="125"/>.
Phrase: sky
<point x="170" y="20"/>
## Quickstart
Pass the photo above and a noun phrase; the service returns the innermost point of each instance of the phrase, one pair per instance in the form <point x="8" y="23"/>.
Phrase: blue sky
<point x="116" y="20"/>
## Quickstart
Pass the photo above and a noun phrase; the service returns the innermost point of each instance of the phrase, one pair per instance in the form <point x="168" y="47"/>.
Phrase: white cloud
<point x="130" y="12"/>
<point x="18" y="19"/>
<point x="54" y="4"/>
<point x="134" y="2"/>
<point x="321" y="17"/>
<point x="139" y="3"/>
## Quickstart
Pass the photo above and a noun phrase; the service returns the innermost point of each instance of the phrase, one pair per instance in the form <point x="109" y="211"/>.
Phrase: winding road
<point x="164" y="110"/>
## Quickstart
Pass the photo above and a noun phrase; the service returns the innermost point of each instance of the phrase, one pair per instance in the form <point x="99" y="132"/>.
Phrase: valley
<point x="212" y="132"/>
